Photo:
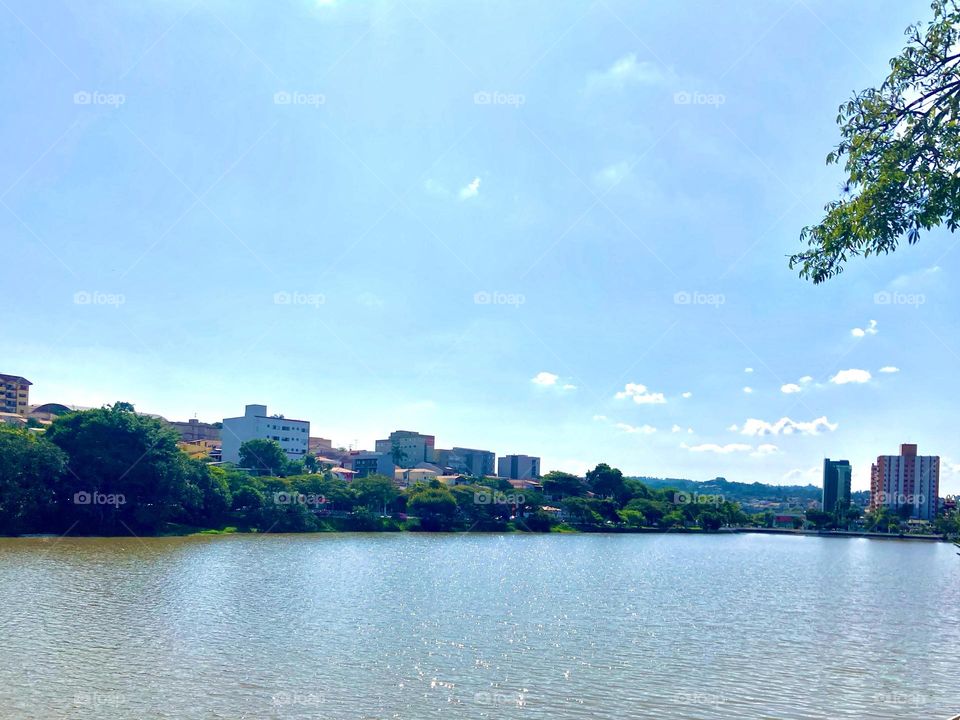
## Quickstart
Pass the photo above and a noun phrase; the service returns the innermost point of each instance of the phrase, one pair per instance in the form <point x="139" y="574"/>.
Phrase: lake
<point x="479" y="626"/>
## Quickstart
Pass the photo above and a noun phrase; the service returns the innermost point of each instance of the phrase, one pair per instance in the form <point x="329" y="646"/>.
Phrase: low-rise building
<point x="518" y="467"/>
<point x="255" y="424"/>
<point x="200" y="449"/>
<point x="319" y="446"/>
<point x="14" y="394"/>
<point x="193" y="430"/>
<point x="370" y="463"/>
<point x="405" y="477"/>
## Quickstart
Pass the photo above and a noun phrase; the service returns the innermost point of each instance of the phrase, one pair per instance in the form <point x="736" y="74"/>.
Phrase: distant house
<point x="344" y="474"/>
<point x="789" y="520"/>
<point x="370" y="463"/>
<point x="411" y="476"/>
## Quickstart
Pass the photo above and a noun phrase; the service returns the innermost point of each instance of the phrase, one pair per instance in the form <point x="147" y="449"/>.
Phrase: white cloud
<point x="765" y="449"/>
<point x="544" y="378"/>
<point x="806" y="379"/>
<point x="640" y="395"/>
<point x="686" y="395"/>
<point x="600" y="418"/>
<point x="798" y="476"/>
<point x="549" y="379"/>
<point x="912" y="280"/>
<point x="611" y="175"/>
<point x="871" y="329"/>
<point x="471" y="190"/>
<point x="790" y="388"/>
<point x="785" y="426"/>
<point x="748" y="370"/>
<point x="435" y="188"/>
<point x="748" y="390"/>
<point x="642" y="429"/>
<point x="852" y="375"/>
<point x="719" y="449"/>
<point x="627" y="70"/>
<point x="676" y="428"/>
<point x="889" y="369"/>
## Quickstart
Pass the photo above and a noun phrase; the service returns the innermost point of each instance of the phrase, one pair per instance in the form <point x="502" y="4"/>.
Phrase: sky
<point x="553" y="228"/>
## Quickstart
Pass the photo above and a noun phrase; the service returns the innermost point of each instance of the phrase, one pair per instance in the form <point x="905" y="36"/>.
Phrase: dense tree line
<point x="111" y="471"/>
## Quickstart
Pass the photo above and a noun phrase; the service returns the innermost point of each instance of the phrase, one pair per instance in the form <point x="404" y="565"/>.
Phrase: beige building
<point x="14" y="394"/>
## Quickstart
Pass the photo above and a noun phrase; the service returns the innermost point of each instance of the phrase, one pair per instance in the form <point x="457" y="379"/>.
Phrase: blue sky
<point x="548" y="228"/>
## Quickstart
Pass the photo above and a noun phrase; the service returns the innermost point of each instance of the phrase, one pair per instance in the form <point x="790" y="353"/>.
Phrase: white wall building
<point x="293" y="435"/>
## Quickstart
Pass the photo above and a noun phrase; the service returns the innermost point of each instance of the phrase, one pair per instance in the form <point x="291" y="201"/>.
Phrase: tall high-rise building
<point x="518" y="467"/>
<point x="836" y="485"/>
<point x="14" y="394"/>
<point x="906" y="480"/>
<point x="407" y="447"/>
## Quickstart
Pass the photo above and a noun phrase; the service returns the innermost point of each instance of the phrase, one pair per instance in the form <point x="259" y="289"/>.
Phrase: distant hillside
<point x="737" y="491"/>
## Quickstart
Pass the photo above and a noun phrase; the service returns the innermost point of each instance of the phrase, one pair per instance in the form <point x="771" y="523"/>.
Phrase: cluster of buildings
<point x="404" y="455"/>
<point x="897" y="482"/>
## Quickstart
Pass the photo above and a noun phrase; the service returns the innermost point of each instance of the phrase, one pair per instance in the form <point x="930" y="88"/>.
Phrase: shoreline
<point x="588" y="531"/>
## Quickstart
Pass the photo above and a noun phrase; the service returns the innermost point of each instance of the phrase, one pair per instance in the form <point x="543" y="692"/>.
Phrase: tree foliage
<point x="900" y="147"/>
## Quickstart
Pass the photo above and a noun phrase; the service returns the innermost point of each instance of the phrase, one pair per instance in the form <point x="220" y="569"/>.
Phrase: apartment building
<point x="14" y="394"/>
<point x="906" y="480"/>
<point x="518" y="467"/>
<point x="408" y="448"/>
<point x="293" y="435"/>
<point x="466" y="461"/>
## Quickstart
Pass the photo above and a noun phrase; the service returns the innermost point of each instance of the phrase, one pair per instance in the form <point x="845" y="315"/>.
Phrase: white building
<point x="293" y="435"/>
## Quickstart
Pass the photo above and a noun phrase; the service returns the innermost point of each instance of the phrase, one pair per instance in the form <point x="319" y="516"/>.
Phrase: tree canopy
<point x="900" y="147"/>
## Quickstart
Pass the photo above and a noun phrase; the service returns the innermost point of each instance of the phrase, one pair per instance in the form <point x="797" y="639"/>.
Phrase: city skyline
<point x="586" y="260"/>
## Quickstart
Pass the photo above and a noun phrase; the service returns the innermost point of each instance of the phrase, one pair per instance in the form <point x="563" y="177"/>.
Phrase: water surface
<point x="479" y="626"/>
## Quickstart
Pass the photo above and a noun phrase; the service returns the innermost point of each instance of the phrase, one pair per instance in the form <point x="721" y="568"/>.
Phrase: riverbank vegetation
<point x="111" y="471"/>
